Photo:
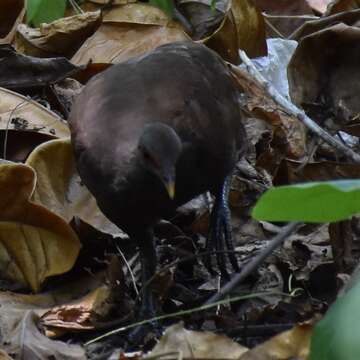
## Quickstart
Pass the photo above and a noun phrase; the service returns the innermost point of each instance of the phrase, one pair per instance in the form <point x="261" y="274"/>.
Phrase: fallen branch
<point x="295" y="111"/>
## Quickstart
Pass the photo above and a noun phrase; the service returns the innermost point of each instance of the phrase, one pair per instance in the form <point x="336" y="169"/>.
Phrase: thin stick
<point x="304" y="17"/>
<point x="295" y="111"/>
<point x="129" y="269"/>
<point x="274" y="29"/>
<point x="181" y="313"/>
<point x="252" y="265"/>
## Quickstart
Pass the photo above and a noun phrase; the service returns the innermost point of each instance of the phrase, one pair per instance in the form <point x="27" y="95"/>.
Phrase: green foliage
<point x="336" y="336"/>
<point x="311" y="202"/>
<point x="165" y="5"/>
<point x="40" y="11"/>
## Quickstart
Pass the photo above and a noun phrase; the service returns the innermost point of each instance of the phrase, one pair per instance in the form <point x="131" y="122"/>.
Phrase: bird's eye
<point x="149" y="158"/>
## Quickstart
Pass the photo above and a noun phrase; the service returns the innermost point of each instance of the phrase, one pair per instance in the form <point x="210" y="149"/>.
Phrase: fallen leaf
<point x="325" y="83"/>
<point x="195" y="345"/>
<point x="17" y="112"/>
<point x="78" y="315"/>
<point x="243" y="28"/>
<point x="34" y="242"/>
<point x="128" y="31"/>
<point x="339" y="6"/>
<point x="62" y="37"/>
<point x="59" y="187"/>
<point x="20" y="71"/>
<point x="27" y="342"/>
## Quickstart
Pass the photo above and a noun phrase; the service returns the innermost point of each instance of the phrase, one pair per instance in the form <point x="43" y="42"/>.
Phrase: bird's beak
<point x="170" y="188"/>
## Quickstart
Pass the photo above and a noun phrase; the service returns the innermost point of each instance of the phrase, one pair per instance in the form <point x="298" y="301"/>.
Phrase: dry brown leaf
<point x="34" y="243"/>
<point x="339" y="6"/>
<point x="27" y="342"/>
<point x="326" y="83"/>
<point x="12" y="13"/>
<point x="78" y="315"/>
<point x="60" y="189"/>
<point x="195" y="345"/>
<point x="243" y="28"/>
<point x="288" y="129"/>
<point x="20" y="113"/>
<point x="310" y="27"/>
<point x="61" y="37"/>
<point x="294" y="343"/>
<point x="128" y="31"/>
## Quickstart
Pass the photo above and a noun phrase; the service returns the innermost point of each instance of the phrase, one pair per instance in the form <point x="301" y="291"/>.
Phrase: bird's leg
<point x="148" y="267"/>
<point x="220" y="234"/>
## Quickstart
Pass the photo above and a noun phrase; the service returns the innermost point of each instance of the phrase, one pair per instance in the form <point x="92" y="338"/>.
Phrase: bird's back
<point x="184" y="85"/>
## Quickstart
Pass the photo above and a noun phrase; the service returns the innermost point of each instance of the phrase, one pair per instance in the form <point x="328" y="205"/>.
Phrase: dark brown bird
<point x="152" y="133"/>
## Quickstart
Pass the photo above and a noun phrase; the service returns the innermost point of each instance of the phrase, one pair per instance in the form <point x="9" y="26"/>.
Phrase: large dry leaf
<point x="27" y="342"/>
<point x="60" y="189"/>
<point x="128" y="31"/>
<point x="15" y="305"/>
<point x="12" y="13"/>
<point x="309" y="27"/>
<point x="34" y="242"/>
<point x="195" y="345"/>
<point x="327" y="83"/>
<point x="20" y="113"/>
<point x="243" y="28"/>
<point x="61" y="37"/>
<point x="339" y="6"/>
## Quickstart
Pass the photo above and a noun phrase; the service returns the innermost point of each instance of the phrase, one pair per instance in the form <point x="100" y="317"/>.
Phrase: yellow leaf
<point x="34" y="242"/>
<point x="60" y="189"/>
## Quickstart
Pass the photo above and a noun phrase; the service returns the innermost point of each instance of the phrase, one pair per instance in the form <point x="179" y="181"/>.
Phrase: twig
<point x="305" y="17"/>
<point x="274" y="29"/>
<point x="295" y="111"/>
<point x="129" y="269"/>
<point x="181" y="313"/>
<point x="76" y="7"/>
<point x="252" y="265"/>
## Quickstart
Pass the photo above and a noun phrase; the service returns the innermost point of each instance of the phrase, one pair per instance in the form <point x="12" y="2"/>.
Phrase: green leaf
<point x="311" y="202"/>
<point x="45" y="11"/>
<point x="336" y="336"/>
<point x="165" y="5"/>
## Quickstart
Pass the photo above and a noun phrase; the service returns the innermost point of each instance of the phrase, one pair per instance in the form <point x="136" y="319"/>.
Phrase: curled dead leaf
<point x="60" y="189"/>
<point x="20" y="113"/>
<point x="34" y="242"/>
<point x="243" y="28"/>
<point x="61" y="37"/>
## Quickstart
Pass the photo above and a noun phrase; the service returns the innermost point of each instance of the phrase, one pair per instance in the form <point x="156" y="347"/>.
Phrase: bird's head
<point x="159" y="148"/>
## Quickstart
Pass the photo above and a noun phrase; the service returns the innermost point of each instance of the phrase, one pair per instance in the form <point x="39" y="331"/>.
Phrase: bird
<point x="153" y="132"/>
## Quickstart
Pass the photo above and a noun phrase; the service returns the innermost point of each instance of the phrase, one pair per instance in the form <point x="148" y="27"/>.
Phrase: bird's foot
<point x="220" y="234"/>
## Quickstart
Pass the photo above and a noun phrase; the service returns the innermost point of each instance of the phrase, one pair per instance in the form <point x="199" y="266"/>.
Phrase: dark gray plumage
<point x="169" y="116"/>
